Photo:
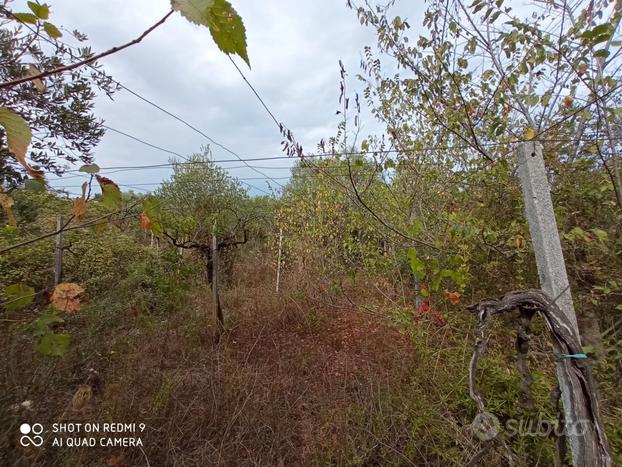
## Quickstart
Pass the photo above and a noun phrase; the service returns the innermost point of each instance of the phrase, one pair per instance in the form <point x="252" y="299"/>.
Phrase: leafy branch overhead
<point x="224" y="23"/>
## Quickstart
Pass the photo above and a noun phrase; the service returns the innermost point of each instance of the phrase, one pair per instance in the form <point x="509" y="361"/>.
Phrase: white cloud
<point x="294" y="48"/>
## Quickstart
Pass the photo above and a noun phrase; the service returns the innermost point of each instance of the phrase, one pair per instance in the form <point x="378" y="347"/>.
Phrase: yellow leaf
<point x="66" y="297"/>
<point x="7" y="204"/>
<point x="18" y="133"/>
<point x="520" y="241"/>
<point x="81" y="398"/>
<point x="34" y="71"/>
<point x="79" y="204"/>
<point x="568" y="101"/>
<point x="529" y="133"/>
<point x="18" y="137"/>
<point x="79" y="208"/>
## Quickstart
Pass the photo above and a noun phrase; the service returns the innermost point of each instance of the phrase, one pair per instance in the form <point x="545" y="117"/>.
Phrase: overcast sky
<point x="294" y="49"/>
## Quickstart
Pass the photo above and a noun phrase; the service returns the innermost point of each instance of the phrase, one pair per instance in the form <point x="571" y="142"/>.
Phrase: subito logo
<point x="486" y="426"/>
<point x="35" y="429"/>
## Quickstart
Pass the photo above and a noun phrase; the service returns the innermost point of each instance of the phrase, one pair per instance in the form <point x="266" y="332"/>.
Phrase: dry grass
<point x="299" y="378"/>
<point x="277" y="390"/>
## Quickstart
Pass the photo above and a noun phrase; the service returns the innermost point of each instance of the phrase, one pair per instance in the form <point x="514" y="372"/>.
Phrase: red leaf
<point x="452" y="297"/>
<point x="105" y="181"/>
<point x="424" y="307"/>
<point x="145" y="221"/>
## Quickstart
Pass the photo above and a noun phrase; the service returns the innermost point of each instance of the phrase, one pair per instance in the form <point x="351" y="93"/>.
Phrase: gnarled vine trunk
<point x="583" y="424"/>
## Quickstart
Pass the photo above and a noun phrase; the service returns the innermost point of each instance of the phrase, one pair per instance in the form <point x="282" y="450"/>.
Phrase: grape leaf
<point x="53" y="344"/>
<point x="66" y="297"/>
<point x="80" y="204"/>
<point x="145" y="221"/>
<point x="41" y="326"/>
<point x="152" y="213"/>
<point x="42" y="11"/>
<point x="18" y="296"/>
<point x="452" y="297"/>
<point x="111" y="194"/>
<point x="224" y="23"/>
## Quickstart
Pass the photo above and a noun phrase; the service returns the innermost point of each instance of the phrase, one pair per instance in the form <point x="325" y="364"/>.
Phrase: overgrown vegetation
<point x="360" y="354"/>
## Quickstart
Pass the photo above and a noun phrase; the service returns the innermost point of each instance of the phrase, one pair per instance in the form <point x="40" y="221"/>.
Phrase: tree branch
<point x="94" y="58"/>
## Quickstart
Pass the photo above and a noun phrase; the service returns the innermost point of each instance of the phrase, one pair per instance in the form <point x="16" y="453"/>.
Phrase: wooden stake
<point x="58" y="252"/>
<point x="278" y="266"/>
<point x="220" y="321"/>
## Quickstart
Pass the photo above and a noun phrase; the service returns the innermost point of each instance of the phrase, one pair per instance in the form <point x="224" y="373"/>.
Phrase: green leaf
<point x="33" y="184"/>
<point x="111" y="194"/>
<point x="601" y="29"/>
<point x="494" y="16"/>
<point x="195" y="11"/>
<point x="17" y="131"/>
<point x="18" y="296"/>
<point x="577" y="233"/>
<point x="26" y="17"/>
<point x="89" y="168"/>
<point x="41" y="325"/>
<point x="224" y="23"/>
<point x="600" y="234"/>
<point x="151" y="208"/>
<point x="52" y="30"/>
<point x="478" y="7"/>
<point x="54" y="345"/>
<point x="604" y="53"/>
<point x="417" y="227"/>
<point x="416" y="264"/>
<point x="42" y="11"/>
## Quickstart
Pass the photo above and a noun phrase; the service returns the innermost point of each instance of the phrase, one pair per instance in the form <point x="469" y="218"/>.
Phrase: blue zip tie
<point x="572" y="355"/>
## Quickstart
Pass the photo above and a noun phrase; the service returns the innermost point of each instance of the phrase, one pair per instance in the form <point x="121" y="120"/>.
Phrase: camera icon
<point x="35" y="430"/>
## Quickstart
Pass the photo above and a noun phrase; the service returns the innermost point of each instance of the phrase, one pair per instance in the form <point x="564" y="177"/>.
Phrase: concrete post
<point x="554" y="282"/>
<point x="543" y="228"/>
